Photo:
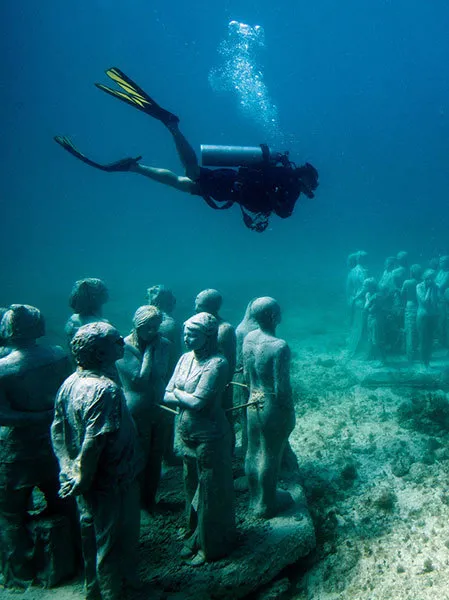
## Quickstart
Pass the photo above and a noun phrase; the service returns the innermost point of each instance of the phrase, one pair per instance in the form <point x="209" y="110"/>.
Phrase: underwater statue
<point x="164" y="299"/>
<point x="30" y="376"/>
<point x="427" y="314"/>
<point x="446" y="313"/>
<point x="402" y="260"/>
<point x="410" y="301"/>
<point x="442" y="276"/>
<point x="271" y="417"/>
<point x="352" y="279"/>
<point x="240" y="389"/>
<point x="357" y="334"/>
<point x="196" y="389"/>
<point x="394" y="314"/>
<point x="4" y="350"/>
<point x="144" y="373"/>
<point x="374" y="321"/>
<point x="361" y="269"/>
<point x="210" y="301"/>
<point x="94" y="439"/>
<point x="86" y="300"/>
<point x="386" y="280"/>
<point x="390" y="288"/>
<point x="442" y="282"/>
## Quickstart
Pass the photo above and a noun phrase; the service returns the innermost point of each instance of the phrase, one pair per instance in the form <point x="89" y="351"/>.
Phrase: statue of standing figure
<point x="164" y="299"/>
<point x="410" y="301"/>
<point x="427" y="314"/>
<point x="386" y="284"/>
<point x="241" y="390"/>
<point x="30" y="376"/>
<point x="210" y="301"/>
<point x="446" y="313"/>
<point x="357" y="335"/>
<point x="4" y="350"/>
<point x="196" y="389"/>
<point x="374" y="321"/>
<point x="144" y="372"/>
<point x="442" y="283"/>
<point x="352" y="280"/>
<point x="86" y="300"/>
<point x="94" y="439"/>
<point x="271" y="418"/>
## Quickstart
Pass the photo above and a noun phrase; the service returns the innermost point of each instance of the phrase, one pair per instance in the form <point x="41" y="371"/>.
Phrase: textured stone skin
<point x="196" y="388"/>
<point x="266" y="363"/>
<point x="144" y="372"/>
<point x="29" y="379"/>
<point x="94" y="440"/>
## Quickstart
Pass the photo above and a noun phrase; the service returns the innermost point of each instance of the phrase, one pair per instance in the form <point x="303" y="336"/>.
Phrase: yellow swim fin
<point x="135" y="96"/>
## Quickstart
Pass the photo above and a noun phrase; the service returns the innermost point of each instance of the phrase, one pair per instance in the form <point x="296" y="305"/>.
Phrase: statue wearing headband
<point x="271" y="417"/>
<point x="144" y="373"/>
<point x="196" y="389"/>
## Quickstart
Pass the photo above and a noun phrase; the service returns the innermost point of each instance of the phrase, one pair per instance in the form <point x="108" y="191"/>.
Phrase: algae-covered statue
<point x="196" y="388"/>
<point x="410" y="301"/>
<point x="94" y="439"/>
<point x="427" y="314"/>
<point x="30" y="376"/>
<point x="210" y="301"/>
<point x="442" y="276"/>
<point x="271" y="419"/>
<point x="4" y="350"/>
<point x="240" y="391"/>
<point x="386" y="284"/>
<point x="374" y="321"/>
<point x="144" y="373"/>
<point x="402" y="260"/>
<point x="86" y="300"/>
<point x="442" y="283"/>
<point x="164" y="299"/>
<point x="357" y="334"/>
<point x="352" y="279"/>
<point x="446" y="314"/>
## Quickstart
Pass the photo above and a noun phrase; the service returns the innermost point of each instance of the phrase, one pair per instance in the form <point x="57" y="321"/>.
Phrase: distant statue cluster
<point x="91" y="427"/>
<point x="403" y="312"/>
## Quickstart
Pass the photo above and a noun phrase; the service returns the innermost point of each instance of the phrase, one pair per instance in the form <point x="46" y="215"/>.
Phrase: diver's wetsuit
<point x="261" y="191"/>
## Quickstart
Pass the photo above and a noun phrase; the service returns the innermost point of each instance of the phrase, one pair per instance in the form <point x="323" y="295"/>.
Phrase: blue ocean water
<point x="361" y="91"/>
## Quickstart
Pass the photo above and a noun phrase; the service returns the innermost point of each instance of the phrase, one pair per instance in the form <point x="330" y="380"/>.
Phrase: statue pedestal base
<point x="53" y="550"/>
<point x="263" y="549"/>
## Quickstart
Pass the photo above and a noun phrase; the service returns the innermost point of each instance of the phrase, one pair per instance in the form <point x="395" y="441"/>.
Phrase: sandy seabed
<point x="374" y="464"/>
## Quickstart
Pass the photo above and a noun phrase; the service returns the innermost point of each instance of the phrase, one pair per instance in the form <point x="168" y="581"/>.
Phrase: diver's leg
<point x="185" y="151"/>
<point x="184" y="184"/>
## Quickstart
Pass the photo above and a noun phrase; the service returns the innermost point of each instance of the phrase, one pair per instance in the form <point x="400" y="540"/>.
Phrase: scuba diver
<point x="265" y="182"/>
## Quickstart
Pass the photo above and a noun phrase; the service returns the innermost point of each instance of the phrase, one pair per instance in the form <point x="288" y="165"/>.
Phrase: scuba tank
<point x="240" y="156"/>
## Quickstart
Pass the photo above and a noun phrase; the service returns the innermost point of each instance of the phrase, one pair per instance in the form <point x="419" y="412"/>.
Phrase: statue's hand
<point x="71" y="487"/>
